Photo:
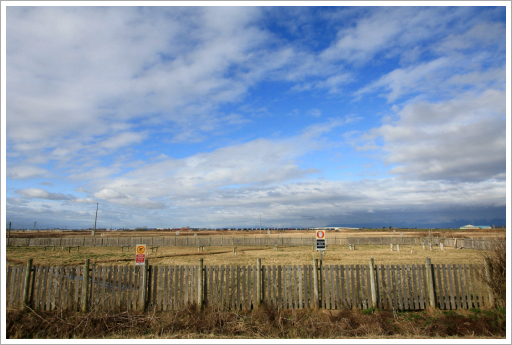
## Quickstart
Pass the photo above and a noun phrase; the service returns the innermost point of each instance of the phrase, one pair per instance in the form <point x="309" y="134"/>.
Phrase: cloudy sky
<point x="214" y="116"/>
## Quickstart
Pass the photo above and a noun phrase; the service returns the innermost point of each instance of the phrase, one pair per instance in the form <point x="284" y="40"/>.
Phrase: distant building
<point x="469" y="226"/>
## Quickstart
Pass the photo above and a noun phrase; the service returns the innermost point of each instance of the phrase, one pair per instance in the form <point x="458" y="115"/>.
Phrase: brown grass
<point x="496" y="275"/>
<point x="335" y="255"/>
<point x="263" y="323"/>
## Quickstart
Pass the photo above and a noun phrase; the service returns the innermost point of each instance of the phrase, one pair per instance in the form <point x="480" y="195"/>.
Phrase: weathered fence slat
<point x="399" y="287"/>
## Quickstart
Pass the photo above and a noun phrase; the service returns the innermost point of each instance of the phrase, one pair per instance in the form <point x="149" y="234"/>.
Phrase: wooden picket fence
<point x="333" y="287"/>
<point x="194" y="241"/>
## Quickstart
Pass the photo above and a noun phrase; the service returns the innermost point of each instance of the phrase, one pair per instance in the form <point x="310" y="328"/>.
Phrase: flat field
<point x="224" y="255"/>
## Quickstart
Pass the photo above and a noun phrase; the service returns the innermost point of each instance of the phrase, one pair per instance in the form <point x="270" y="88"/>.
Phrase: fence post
<point x="27" y="284"/>
<point x="200" y="285"/>
<point x="85" y="286"/>
<point x="315" y="278"/>
<point x="430" y="284"/>
<point x="145" y="272"/>
<point x="373" y="283"/>
<point x="258" y="283"/>
<point x="488" y="280"/>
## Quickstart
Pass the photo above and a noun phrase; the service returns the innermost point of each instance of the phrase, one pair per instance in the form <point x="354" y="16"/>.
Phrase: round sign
<point x="141" y="249"/>
<point x="320" y="234"/>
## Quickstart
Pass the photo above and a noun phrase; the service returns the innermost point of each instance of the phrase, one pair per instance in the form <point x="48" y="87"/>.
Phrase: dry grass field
<point x="244" y="255"/>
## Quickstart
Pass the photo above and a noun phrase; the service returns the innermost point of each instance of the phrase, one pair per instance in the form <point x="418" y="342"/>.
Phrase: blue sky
<point x="211" y="116"/>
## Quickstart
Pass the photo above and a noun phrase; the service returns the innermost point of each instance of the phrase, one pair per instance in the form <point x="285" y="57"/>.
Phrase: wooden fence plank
<point x="130" y="290"/>
<point x="345" y="286"/>
<point x="95" y="287"/>
<point x="233" y="287"/>
<point x="424" y="296"/>
<point x="410" y="288"/>
<point x="72" y="274"/>
<point x="332" y="287"/>
<point x="160" y="289"/>
<point x="456" y="281"/>
<point x="449" y="273"/>
<point x="9" y="285"/>
<point x="222" y="287"/>
<point x="39" y="286"/>
<point x="173" y="277"/>
<point x="353" y="286"/>
<point x="109" y="287"/>
<point x="483" y="299"/>
<point x="301" y="285"/>
<point x="383" y="289"/>
<point x="394" y="292"/>
<point x="63" y="282"/>
<point x="276" y="272"/>
<point x="399" y="284"/>
<point x="462" y="287"/>
<point x="339" y="303"/>
<point x="277" y="282"/>
<point x="255" y="296"/>
<point x="182" y="283"/>
<point x="305" y="286"/>
<point x="414" y="286"/>
<point x="439" y="287"/>
<point x="217" y="286"/>
<point x="446" y="287"/>
<point x="358" y="288"/>
<point x="405" y="279"/>
<point x="121" y="279"/>
<point x="237" y="287"/>
<point x="51" y="288"/>
<point x="469" y="299"/>
<point x="471" y="285"/>
<point x="369" y="300"/>
<point x="243" y="274"/>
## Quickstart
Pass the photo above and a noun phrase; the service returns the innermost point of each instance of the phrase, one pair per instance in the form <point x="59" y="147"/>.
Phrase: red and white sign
<point x="320" y="234"/>
<point x="140" y="257"/>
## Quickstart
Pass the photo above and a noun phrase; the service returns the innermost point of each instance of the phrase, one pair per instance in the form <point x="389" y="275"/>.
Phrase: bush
<point x="494" y="275"/>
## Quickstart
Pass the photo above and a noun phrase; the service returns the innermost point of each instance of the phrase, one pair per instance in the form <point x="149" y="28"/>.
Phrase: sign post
<point x="140" y="256"/>
<point x="320" y="240"/>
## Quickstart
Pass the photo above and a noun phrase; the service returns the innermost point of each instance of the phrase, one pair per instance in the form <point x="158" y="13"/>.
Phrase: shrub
<point x="494" y="275"/>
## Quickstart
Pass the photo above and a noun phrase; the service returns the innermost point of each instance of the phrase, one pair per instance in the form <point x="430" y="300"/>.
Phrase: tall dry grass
<point x="495" y="274"/>
<point x="263" y="323"/>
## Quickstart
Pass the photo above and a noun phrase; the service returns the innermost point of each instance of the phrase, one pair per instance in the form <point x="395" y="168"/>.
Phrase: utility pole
<point x="94" y="231"/>
<point x="35" y="225"/>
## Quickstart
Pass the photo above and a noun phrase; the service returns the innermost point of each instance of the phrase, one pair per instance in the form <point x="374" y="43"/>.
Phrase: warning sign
<point x="320" y="234"/>
<point x="140" y="256"/>
<point x="320" y="240"/>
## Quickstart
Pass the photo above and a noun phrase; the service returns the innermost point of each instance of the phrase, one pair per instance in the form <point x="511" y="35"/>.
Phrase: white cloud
<point x="25" y="172"/>
<point x="462" y="139"/>
<point x="38" y="193"/>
